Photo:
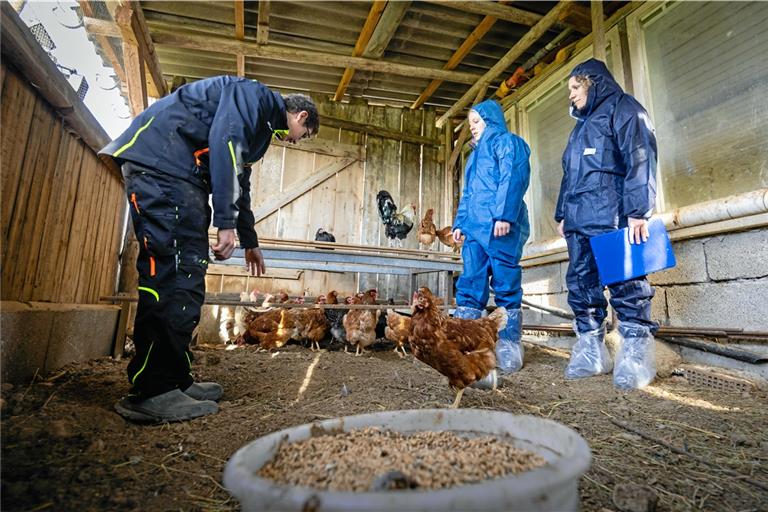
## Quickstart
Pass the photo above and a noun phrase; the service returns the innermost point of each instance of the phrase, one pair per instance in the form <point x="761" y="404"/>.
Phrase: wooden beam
<point x="262" y="22"/>
<point x="502" y="12"/>
<point x="137" y="79"/>
<point x="133" y="28"/>
<point x="313" y="180"/>
<point x="101" y="28"/>
<point x="477" y="34"/>
<point x="227" y="45"/>
<point x="326" y="147"/>
<point x="240" y="34"/>
<point x="378" y="131"/>
<point x="362" y="41"/>
<point x="393" y="14"/>
<point x="577" y="17"/>
<point x="513" y="54"/>
<point x="598" y="30"/>
<point x="85" y="6"/>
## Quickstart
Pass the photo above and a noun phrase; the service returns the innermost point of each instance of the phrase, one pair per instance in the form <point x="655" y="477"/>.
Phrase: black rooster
<point x="324" y="236"/>
<point x="397" y="225"/>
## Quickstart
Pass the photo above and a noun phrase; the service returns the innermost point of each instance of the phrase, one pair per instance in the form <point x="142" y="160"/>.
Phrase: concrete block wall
<point x="41" y="337"/>
<point x="719" y="281"/>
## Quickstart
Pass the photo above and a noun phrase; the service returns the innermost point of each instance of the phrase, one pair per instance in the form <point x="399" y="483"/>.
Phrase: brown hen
<point x="360" y="324"/>
<point x="445" y="236"/>
<point x="427" y="230"/>
<point x="460" y="349"/>
<point x="397" y="330"/>
<point x="311" y="323"/>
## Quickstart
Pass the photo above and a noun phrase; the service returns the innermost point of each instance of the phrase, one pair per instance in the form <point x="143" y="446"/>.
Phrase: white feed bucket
<point x="550" y="487"/>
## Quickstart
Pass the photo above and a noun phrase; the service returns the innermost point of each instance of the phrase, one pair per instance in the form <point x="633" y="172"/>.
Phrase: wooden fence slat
<point x="101" y="219"/>
<point x="393" y="118"/>
<point x="109" y="282"/>
<point x="46" y="274"/>
<point x="74" y="244"/>
<point x="348" y="196"/>
<point x="39" y="131"/>
<point x="90" y="237"/>
<point x="36" y="254"/>
<point x="18" y="104"/>
<point x="374" y="178"/>
<point x="410" y="188"/>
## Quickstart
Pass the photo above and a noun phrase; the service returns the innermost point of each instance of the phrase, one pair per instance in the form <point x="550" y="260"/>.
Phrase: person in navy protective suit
<point x="494" y="220"/>
<point x="198" y="141"/>
<point x="609" y="183"/>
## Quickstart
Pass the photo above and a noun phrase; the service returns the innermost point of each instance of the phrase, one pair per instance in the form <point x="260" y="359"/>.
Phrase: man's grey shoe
<point x="205" y="391"/>
<point x="490" y="381"/>
<point x="172" y="405"/>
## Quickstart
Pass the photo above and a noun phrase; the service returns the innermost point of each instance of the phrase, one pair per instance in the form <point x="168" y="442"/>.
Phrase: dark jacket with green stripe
<point x="234" y="117"/>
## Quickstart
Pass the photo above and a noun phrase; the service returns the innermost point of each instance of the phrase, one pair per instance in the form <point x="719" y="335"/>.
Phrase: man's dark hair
<point x="297" y="102"/>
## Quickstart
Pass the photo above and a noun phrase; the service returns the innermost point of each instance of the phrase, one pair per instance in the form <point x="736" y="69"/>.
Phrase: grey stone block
<point x="691" y="265"/>
<point x="80" y="333"/>
<point x="737" y="255"/>
<point x="732" y="305"/>
<point x="542" y="279"/>
<point x="42" y="337"/>
<point x="24" y="341"/>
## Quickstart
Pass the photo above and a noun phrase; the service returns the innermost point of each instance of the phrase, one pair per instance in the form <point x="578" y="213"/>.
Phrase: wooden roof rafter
<point x="513" y="54"/>
<point x="495" y="9"/>
<point x="474" y="37"/>
<point x="133" y="27"/>
<point x="362" y="42"/>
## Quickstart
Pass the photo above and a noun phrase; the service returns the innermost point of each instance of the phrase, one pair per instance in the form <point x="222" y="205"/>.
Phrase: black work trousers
<point x="631" y="299"/>
<point x="171" y="218"/>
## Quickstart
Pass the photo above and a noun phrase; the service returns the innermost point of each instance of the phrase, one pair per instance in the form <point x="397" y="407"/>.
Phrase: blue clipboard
<point x="618" y="260"/>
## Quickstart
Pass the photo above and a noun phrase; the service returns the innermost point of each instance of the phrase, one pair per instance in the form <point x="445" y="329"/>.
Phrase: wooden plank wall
<point x="346" y="203"/>
<point x="63" y="210"/>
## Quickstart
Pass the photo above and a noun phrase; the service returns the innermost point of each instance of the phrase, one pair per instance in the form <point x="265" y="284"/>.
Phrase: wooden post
<point x="262" y="27"/>
<point x="240" y="34"/>
<point x="598" y="30"/>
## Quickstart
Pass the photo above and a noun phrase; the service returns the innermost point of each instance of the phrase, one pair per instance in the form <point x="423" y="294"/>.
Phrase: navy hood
<point x="603" y="86"/>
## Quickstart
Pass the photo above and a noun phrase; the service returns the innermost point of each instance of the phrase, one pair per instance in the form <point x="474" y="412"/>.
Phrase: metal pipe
<point x="704" y="346"/>
<point x="549" y="309"/>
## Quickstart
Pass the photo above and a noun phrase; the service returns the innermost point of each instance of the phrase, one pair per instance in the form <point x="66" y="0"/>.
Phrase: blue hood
<point x="603" y="86"/>
<point x="491" y="113"/>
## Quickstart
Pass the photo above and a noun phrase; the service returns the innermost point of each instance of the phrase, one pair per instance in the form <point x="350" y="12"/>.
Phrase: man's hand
<point x="225" y="245"/>
<point x="501" y="228"/>
<point x="254" y="261"/>
<point x="561" y="228"/>
<point x="638" y="230"/>
<point x="457" y="235"/>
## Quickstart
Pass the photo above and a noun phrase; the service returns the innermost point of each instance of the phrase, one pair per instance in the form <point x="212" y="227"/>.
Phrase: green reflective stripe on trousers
<point x="146" y="359"/>
<point x="135" y="136"/>
<point x="150" y="290"/>
<point x="232" y="154"/>
<point x="188" y="360"/>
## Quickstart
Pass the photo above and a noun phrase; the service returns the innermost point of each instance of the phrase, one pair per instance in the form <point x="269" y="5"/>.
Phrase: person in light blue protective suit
<point x="494" y="219"/>
<point x="609" y="183"/>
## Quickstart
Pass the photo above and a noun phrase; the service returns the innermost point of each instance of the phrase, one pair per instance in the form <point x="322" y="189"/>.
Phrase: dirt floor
<point x="64" y="447"/>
